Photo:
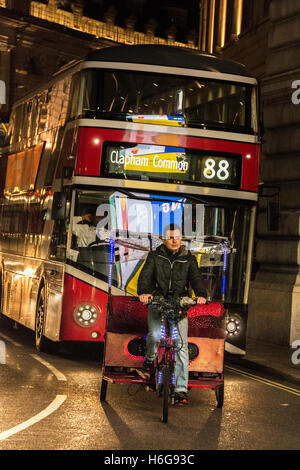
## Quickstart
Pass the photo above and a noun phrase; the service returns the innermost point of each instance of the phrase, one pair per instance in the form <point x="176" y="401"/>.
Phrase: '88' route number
<point x="211" y="171"/>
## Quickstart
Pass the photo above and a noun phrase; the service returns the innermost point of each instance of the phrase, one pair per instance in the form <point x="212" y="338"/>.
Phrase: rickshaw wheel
<point x="220" y="396"/>
<point x="166" y="392"/>
<point x="103" y="390"/>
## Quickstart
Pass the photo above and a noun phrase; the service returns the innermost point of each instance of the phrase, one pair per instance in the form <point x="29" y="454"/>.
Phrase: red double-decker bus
<point x="115" y="147"/>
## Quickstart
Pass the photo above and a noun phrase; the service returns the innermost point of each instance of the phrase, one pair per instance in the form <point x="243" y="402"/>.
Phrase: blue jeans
<point x="181" y="350"/>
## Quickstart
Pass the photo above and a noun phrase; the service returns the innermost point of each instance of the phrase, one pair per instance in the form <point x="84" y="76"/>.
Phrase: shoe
<point x="147" y="371"/>
<point x="180" y="398"/>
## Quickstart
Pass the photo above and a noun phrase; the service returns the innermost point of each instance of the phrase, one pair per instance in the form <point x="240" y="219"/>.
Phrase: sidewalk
<point x="269" y="358"/>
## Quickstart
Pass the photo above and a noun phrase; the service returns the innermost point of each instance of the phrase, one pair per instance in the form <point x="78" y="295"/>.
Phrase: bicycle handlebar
<point x="184" y="301"/>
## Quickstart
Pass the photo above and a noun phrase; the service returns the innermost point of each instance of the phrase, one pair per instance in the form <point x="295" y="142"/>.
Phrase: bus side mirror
<point x="59" y="206"/>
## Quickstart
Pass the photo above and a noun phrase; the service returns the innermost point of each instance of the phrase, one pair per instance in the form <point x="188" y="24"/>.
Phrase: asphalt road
<point x="51" y="402"/>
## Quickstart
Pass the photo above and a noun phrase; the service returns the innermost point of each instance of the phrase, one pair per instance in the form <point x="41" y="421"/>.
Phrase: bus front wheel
<point x="40" y="316"/>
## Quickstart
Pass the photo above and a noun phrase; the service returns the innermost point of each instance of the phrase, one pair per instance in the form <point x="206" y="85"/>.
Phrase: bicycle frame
<point x="165" y="365"/>
<point x="168" y="336"/>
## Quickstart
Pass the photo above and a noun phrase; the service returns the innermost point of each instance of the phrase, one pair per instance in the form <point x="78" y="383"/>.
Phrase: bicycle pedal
<point x="150" y="388"/>
<point x="144" y="375"/>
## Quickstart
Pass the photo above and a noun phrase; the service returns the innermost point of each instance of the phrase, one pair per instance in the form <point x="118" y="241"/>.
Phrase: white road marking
<point x="10" y="340"/>
<point x="59" y="375"/>
<point x="54" y="405"/>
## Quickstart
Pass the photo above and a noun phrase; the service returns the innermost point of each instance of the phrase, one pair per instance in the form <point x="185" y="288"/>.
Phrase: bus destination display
<point x="153" y="162"/>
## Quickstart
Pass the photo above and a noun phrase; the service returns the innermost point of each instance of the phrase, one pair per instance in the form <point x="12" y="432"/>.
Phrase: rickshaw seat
<point x="206" y="321"/>
<point x="130" y="317"/>
<point x="127" y="315"/>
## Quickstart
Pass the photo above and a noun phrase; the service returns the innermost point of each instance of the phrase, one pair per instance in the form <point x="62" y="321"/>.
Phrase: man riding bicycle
<point x="170" y="270"/>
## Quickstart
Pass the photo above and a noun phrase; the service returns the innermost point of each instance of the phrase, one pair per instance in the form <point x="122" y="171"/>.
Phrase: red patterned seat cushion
<point x="130" y="316"/>
<point x="214" y="309"/>
<point x="127" y="315"/>
<point x="206" y="321"/>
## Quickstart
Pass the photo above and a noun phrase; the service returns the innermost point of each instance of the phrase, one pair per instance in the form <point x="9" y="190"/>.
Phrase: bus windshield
<point x="217" y="235"/>
<point x="166" y="99"/>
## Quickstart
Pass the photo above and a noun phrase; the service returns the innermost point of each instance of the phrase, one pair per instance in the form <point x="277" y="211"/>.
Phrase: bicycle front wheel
<point x="166" y="377"/>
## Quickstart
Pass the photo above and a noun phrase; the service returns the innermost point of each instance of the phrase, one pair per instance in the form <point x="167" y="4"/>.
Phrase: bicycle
<point x="171" y="310"/>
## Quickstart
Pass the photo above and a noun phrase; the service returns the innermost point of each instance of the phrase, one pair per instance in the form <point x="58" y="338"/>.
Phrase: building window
<point x="266" y="8"/>
<point x="248" y="10"/>
<point x="216" y="23"/>
<point x="229" y="20"/>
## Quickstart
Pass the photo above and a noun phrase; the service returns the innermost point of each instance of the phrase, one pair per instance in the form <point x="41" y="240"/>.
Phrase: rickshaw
<point x="125" y="341"/>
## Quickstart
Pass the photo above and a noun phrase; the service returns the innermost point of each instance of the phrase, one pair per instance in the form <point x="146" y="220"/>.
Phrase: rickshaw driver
<point x="170" y="268"/>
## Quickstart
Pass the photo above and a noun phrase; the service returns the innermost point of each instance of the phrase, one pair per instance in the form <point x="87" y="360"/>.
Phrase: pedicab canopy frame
<point x="127" y="321"/>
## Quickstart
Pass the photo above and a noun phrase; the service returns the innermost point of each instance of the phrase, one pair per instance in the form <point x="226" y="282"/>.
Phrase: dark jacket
<point x="164" y="272"/>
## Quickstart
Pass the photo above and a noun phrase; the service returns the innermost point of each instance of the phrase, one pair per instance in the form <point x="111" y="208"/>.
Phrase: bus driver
<point x="171" y="267"/>
<point x="85" y="228"/>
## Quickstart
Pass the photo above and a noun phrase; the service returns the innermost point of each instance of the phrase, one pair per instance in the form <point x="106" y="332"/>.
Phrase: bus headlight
<point x="86" y="314"/>
<point x="233" y="325"/>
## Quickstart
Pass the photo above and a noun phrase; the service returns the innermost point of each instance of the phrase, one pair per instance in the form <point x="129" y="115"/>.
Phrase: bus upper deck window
<point x="75" y="90"/>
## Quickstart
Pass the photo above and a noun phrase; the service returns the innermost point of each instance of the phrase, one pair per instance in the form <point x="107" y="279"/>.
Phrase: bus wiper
<point x="148" y="199"/>
<point x="195" y="123"/>
<point x="112" y="115"/>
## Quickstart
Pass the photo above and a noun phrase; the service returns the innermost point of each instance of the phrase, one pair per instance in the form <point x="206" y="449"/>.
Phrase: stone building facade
<point x="265" y="36"/>
<point x="275" y="292"/>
